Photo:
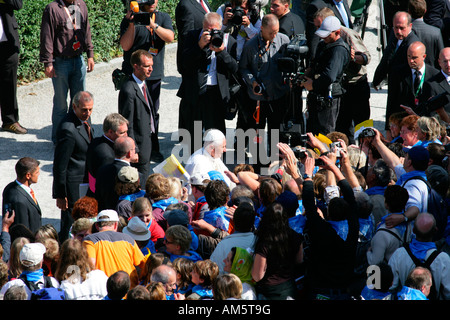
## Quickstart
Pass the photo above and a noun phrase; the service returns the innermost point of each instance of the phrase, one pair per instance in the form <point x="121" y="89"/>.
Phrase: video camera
<point x="292" y="64"/>
<point x="141" y="17"/>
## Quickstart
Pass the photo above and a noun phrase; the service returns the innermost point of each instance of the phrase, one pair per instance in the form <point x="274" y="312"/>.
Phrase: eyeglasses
<point x="167" y="241"/>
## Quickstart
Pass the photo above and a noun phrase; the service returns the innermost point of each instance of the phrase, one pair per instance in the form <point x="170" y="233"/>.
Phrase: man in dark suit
<point x="188" y="16"/>
<point x="19" y="196"/>
<point x="101" y="149"/>
<point x="439" y="84"/>
<point x="204" y="90"/>
<point x="136" y="105"/>
<point x="69" y="164"/>
<point x="409" y="79"/>
<point x="394" y="56"/>
<point x="429" y="35"/>
<point x="9" y="60"/>
<point x="340" y="9"/>
<point x="124" y="153"/>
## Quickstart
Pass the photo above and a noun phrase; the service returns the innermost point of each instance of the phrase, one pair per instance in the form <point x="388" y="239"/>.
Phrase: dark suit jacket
<point x="311" y="9"/>
<point x="196" y="69"/>
<point x="69" y="164"/>
<point x="189" y="15"/>
<point x="10" y="25"/>
<point x="404" y="86"/>
<point x="436" y="10"/>
<point x="27" y="212"/>
<point x="100" y="152"/>
<point x="134" y="108"/>
<point x="437" y="85"/>
<point x="105" y="194"/>
<point x="431" y="37"/>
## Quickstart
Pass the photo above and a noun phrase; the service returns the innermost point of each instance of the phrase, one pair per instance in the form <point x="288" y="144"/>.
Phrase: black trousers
<point x="354" y="108"/>
<point x="9" y="60"/>
<point x="322" y="119"/>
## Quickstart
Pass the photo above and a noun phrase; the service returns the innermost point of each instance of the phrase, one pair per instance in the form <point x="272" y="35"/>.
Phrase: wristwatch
<point x="306" y="176"/>
<point x="406" y="218"/>
<point x="156" y="26"/>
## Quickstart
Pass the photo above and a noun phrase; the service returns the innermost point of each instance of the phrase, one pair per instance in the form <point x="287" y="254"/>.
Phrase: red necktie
<point x="204" y="6"/>
<point x="33" y="196"/>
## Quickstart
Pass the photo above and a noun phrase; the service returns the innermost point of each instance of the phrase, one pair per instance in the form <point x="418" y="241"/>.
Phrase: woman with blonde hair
<point x="15" y="267"/>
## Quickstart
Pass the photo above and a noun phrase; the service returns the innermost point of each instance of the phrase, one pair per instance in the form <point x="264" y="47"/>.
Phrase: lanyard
<point x="73" y="21"/>
<point x="261" y="53"/>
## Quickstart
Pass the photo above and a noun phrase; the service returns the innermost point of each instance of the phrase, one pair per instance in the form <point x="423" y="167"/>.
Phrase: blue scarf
<point x="194" y="256"/>
<point x="132" y="197"/>
<point x="297" y="223"/>
<point x="217" y="218"/>
<point x="366" y="228"/>
<point x="420" y="249"/>
<point x="400" y="227"/>
<point x="203" y="292"/>
<point x="33" y="276"/>
<point x="201" y="199"/>
<point x="341" y="228"/>
<point x="164" y="203"/>
<point x="376" y="190"/>
<point x="411" y="174"/>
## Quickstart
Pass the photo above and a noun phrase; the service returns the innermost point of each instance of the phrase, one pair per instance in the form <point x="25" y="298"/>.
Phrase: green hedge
<point x="104" y="16"/>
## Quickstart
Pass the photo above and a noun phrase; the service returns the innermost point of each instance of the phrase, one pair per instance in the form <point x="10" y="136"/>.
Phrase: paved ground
<point x="35" y="104"/>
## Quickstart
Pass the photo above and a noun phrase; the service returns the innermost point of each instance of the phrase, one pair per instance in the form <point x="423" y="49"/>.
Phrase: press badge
<point x="76" y="45"/>
<point x="153" y="51"/>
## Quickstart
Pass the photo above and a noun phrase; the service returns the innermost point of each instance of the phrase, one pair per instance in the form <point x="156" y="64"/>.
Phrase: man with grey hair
<point x="101" y="149"/>
<point x="207" y="160"/>
<point x="204" y="91"/>
<point x="166" y="275"/>
<point x="69" y="163"/>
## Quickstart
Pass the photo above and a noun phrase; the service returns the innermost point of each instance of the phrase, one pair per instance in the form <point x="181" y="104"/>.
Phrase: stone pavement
<point x="35" y="105"/>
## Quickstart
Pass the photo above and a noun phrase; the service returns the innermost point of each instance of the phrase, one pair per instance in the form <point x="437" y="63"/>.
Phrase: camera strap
<point x="76" y="45"/>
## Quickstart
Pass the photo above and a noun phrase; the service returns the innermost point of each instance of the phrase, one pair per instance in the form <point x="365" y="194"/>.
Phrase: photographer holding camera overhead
<point x="145" y="27"/>
<point x="211" y="59"/>
<point x="242" y="19"/>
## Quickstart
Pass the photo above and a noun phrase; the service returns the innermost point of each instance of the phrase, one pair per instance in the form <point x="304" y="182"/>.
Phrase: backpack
<point x="426" y="264"/>
<point x="436" y="206"/>
<point x="47" y="293"/>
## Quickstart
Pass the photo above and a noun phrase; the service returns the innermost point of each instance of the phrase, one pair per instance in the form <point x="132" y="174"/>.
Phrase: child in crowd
<point x="183" y="268"/>
<point x="203" y="275"/>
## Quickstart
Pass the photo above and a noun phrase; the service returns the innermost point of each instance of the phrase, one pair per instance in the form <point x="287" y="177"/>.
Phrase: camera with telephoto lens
<point x="216" y="38"/>
<point x="141" y="17"/>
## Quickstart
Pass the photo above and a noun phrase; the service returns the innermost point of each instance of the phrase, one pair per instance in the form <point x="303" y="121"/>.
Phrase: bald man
<point x="394" y="56"/>
<point x="409" y="79"/>
<point x="422" y="248"/>
<point x="440" y="84"/>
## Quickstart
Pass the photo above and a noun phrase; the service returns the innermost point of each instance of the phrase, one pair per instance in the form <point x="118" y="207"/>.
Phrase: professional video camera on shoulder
<point x="140" y="16"/>
<point x="293" y="64"/>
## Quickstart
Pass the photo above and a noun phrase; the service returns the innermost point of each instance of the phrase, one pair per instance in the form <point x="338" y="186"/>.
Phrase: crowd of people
<point x="362" y="215"/>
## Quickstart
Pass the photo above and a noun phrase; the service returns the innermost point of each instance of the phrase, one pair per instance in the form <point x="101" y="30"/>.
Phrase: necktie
<point x="33" y="196"/>
<point x="416" y="81"/>
<point x="144" y="91"/>
<point x="88" y="129"/>
<point x="343" y="12"/>
<point x="204" y="6"/>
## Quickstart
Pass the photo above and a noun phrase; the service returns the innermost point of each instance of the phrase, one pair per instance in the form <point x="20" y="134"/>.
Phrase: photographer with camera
<point x="324" y="79"/>
<point x="259" y="69"/>
<point x="204" y="90"/>
<point x="242" y="19"/>
<point x="145" y="27"/>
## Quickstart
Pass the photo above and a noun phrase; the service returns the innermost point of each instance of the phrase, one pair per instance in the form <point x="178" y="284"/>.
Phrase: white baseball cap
<point x="329" y="24"/>
<point x="108" y="215"/>
<point x="32" y="253"/>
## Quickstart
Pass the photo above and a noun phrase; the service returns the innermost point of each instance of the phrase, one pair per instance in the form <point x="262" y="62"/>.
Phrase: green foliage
<point x="104" y="16"/>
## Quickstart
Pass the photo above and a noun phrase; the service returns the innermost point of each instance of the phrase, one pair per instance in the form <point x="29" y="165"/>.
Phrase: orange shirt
<point x="114" y="251"/>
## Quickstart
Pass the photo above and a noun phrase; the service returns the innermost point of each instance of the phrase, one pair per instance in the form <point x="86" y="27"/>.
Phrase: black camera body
<point x="367" y="133"/>
<point x="299" y="152"/>
<point x="216" y="38"/>
<point x="238" y="14"/>
<point x="292" y="64"/>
